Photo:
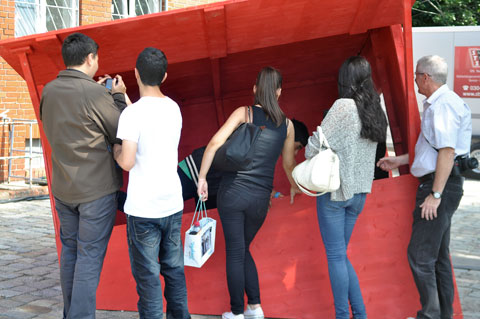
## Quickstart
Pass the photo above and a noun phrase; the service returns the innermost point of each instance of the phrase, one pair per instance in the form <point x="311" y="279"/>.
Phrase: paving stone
<point x="47" y="293"/>
<point x="41" y="263"/>
<point x="7" y="293"/>
<point x="24" y="298"/>
<point x="10" y="283"/>
<point x="24" y="289"/>
<point x="9" y="275"/>
<point x="43" y="302"/>
<point x="9" y="257"/>
<point x="41" y="284"/>
<point x="33" y="309"/>
<point x="18" y="314"/>
<point x="36" y="271"/>
<point x="9" y="303"/>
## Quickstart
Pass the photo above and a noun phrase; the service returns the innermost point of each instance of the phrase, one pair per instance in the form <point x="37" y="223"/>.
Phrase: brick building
<point x="24" y="17"/>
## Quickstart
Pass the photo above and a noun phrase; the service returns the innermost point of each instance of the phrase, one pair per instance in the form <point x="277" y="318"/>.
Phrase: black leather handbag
<point x="236" y="154"/>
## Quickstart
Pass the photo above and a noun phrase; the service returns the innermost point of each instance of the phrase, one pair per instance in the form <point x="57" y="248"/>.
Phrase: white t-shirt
<point x="154" y="188"/>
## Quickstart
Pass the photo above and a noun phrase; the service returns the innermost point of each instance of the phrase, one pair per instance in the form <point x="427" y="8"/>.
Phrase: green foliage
<point x="445" y="13"/>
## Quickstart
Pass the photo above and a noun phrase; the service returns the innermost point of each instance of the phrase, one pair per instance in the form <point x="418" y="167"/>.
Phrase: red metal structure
<point x="214" y="53"/>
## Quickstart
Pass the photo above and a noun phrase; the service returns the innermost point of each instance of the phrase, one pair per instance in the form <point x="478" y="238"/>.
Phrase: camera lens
<point x="471" y="163"/>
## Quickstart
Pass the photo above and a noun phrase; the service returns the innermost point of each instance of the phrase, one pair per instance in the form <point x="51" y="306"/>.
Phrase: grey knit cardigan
<point x="342" y="127"/>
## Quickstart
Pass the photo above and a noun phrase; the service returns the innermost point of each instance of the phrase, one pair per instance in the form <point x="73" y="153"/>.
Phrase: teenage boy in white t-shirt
<point x="150" y="132"/>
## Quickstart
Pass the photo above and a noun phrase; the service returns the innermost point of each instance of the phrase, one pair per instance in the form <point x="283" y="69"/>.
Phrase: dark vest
<point x="258" y="181"/>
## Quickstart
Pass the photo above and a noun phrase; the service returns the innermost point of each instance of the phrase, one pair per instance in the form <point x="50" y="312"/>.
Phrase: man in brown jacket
<point x="80" y="119"/>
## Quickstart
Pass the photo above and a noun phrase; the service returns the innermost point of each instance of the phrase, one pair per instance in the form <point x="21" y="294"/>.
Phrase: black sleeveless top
<point x="258" y="181"/>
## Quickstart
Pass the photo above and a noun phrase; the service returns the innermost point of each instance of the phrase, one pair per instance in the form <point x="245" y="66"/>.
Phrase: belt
<point x="428" y="177"/>
<point x="431" y="177"/>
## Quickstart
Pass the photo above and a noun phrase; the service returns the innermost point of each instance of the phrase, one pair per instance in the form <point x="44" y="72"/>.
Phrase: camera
<point x="109" y="83"/>
<point x="464" y="163"/>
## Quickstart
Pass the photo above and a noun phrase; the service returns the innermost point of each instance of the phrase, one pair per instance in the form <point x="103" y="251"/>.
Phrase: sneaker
<point x="256" y="313"/>
<point x="230" y="315"/>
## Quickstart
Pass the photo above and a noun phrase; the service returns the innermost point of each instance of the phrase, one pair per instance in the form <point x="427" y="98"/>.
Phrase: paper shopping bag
<point x="200" y="240"/>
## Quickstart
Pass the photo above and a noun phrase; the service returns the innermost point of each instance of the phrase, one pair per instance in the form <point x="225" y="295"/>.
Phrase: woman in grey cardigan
<point x="353" y="126"/>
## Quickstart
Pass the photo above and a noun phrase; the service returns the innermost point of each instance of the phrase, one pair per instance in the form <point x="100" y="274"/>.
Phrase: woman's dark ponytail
<point x="269" y="80"/>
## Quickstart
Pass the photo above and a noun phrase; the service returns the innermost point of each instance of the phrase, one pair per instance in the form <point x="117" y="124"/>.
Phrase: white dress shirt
<point x="446" y="122"/>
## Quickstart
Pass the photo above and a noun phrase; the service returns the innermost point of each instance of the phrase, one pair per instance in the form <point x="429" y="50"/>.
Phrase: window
<point x="37" y="161"/>
<point x="37" y="16"/>
<point x="131" y="8"/>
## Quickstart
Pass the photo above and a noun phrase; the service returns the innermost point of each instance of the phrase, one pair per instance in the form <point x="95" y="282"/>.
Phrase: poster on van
<point x="467" y="72"/>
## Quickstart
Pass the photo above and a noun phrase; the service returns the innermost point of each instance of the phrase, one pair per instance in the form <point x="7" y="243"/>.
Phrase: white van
<point x="460" y="46"/>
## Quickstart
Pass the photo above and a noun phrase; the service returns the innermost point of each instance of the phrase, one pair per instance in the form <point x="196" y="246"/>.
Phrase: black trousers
<point x="241" y="215"/>
<point x="428" y="251"/>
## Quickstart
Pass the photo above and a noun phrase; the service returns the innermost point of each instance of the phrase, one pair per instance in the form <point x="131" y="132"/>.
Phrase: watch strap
<point x="436" y="195"/>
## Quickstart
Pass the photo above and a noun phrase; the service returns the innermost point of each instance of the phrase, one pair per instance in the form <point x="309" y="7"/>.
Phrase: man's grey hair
<point x="435" y="66"/>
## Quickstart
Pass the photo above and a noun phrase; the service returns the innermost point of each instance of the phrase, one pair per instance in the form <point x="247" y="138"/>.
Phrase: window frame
<point x="42" y="9"/>
<point x="130" y="7"/>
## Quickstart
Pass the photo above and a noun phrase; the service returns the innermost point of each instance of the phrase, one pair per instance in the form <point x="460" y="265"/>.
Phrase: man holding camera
<point x="80" y="119"/>
<point x="445" y="138"/>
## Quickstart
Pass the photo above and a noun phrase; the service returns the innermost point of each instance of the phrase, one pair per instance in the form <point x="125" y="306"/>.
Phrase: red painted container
<point x="214" y="53"/>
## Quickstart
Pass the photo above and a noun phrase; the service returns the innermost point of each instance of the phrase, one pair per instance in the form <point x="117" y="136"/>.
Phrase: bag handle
<point x="248" y="115"/>
<point x="321" y="137"/>
<point x="200" y="211"/>
<point x="306" y="191"/>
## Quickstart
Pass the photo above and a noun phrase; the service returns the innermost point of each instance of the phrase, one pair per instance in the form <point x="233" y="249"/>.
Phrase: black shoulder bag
<point x="236" y="154"/>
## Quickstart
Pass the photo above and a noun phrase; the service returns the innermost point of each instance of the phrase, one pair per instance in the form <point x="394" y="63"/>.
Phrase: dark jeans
<point x="428" y="251"/>
<point x="155" y="248"/>
<point x="242" y="216"/>
<point x="337" y="220"/>
<point x="84" y="232"/>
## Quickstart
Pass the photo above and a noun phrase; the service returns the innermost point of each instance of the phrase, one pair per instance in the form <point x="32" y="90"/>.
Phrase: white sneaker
<point x="230" y="315"/>
<point x="256" y="313"/>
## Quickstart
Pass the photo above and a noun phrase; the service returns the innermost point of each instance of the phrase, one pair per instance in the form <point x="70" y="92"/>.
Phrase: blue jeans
<point x="336" y="220"/>
<point x="85" y="230"/>
<point x="155" y="248"/>
<point x="428" y="251"/>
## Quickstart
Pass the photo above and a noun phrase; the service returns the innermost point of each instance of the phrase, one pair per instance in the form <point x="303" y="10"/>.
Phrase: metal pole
<point x="12" y="134"/>
<point x="30" y="157"/>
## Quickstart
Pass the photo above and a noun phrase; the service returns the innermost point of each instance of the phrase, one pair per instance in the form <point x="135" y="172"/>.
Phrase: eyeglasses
<point x="421" y="73"/>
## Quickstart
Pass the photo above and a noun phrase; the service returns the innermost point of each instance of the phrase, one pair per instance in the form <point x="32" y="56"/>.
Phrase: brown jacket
<point x="80" y="119"/>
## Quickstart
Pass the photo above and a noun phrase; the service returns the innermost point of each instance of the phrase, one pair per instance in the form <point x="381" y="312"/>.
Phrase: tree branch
<point x="437" y="7"/>
<point x="427" y="12"/>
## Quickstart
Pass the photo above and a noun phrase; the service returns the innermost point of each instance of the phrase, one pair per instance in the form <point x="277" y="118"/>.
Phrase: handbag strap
<point x="248" y="115"/>
<point x="321" y="137"/>
<point x="200" y="211"/>
<point x="306" y="191"/>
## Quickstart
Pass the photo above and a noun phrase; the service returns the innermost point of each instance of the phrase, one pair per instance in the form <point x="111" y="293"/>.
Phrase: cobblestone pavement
<point x="29" y="275"/>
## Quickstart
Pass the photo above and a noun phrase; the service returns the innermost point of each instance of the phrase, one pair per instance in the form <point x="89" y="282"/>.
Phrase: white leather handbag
<point x="321" y="173"/>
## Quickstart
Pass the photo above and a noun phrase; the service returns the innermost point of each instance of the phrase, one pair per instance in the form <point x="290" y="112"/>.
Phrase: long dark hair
<point x="355" y="82"/>
<point x="269" y="80"/>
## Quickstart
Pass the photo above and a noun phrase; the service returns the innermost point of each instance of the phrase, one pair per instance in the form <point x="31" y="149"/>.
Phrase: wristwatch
<point x="436" y="195"/>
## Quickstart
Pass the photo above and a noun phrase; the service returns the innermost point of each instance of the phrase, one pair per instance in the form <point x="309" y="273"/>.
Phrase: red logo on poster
<point x="467" y="72"/>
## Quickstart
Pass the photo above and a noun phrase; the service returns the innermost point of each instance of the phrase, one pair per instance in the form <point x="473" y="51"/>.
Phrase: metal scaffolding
<point x="29" y="154"/>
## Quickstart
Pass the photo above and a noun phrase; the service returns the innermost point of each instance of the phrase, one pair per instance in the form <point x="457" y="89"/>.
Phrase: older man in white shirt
<point x="446" y="132"/>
